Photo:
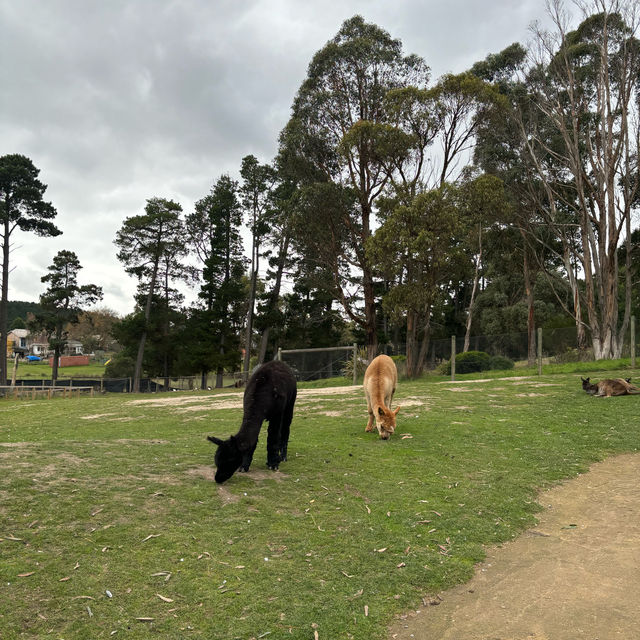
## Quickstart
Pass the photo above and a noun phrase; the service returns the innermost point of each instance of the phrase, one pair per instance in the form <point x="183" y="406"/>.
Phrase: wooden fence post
<point x="355" y="364"/>
<point x="539" y="351"/>
<point x="632" y="342"/>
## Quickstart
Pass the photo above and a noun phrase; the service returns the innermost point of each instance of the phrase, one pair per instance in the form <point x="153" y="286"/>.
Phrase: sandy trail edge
<point x="556" y="581"/>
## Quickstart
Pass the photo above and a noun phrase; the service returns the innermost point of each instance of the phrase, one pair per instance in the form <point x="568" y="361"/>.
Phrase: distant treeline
<point x="20" y="309"/>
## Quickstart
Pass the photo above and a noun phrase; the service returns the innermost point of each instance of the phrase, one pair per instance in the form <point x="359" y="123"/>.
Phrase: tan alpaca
<point x="380" y="380"/>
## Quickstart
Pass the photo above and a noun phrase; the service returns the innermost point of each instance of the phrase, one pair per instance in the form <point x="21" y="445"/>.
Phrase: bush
<point x="574" y="355"/>
<point x="475" y="361"/>
<point x="501" y="363"/>
<point x="120" y="366"/>
<point x="361" y="364"/>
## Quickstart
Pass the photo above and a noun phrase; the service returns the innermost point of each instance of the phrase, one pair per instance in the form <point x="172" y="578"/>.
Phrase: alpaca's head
<point x="228" y="458"/>
<point x="386" y="422"/>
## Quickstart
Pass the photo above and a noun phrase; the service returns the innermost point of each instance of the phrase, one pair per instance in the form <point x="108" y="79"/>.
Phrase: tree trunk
<point x="274" y="297"/>
<point x="412" y="345"/>
<point x="370" y="315"/>
<point x="4" y="301"/>
<point x="255" y="258"/>
<point x="531" y="326"/>
<point x="424" y="344"/>
<point x="137" y="374"/>
<point x="54" y="366"/>
<point x="476" y="278"/>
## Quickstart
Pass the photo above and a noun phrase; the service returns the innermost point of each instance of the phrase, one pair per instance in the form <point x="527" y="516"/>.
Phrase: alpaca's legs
<point x="285" y="430"/>
<point x="372" y="421"/>
<point x="273" y="441"/>
<point x="246" y="459"/>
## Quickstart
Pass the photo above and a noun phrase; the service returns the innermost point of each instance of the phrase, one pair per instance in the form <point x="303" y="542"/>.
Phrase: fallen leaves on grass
<point x="152" y="535"/>
<point x="26" y="575"/>
<point x="165" y="574"/>
<point x="164" y="598"/>
<point x="12" y="538"/>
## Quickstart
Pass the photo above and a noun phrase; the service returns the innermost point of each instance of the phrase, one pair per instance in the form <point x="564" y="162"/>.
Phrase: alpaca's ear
<point x="395" y="413"/>
<point x="215" y="440"/>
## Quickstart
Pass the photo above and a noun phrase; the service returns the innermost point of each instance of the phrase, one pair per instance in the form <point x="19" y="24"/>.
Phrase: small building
<point x="17" y="342"/>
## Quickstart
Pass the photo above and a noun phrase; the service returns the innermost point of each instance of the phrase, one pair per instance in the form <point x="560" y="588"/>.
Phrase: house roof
<point x="20" y="333"/>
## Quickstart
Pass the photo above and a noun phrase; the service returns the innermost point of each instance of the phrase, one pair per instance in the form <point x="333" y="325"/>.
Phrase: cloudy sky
<point x="119" y="101"/>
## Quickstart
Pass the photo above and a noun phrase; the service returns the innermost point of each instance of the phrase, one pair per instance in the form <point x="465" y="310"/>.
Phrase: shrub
<point x="574" y="355"/>
<point x="501" y="363"/>
<point x="473" y="361"/>
<point x="469" y="362"/>
<point x="120" y="366"/>
<point x="361" y="364"/>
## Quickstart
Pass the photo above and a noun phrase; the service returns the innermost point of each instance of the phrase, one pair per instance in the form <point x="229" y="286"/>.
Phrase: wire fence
<point x="551" y="346"/>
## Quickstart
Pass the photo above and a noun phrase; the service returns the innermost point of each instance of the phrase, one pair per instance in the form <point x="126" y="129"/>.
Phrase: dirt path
<point x="574" y="576"/>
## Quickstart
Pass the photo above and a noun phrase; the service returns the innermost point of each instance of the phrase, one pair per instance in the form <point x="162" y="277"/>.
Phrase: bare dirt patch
<point x="530" y="383"/>
<point x="208" y="473"/>
<point x="531" y="395"/>
<point x="411" y="401"/>
<point x="231" y="400"/>
<point x="178" y="399"/>
<point x="329" y="391"/>
<point x="574" y="576"/>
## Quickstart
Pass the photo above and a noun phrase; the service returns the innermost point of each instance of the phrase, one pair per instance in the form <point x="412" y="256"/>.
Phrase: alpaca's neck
<point x="249" y="431"/>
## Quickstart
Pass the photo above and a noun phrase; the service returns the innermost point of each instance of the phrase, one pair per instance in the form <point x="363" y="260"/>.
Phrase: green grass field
<point x="111" y="524"/>
<point x="42" y="370"/>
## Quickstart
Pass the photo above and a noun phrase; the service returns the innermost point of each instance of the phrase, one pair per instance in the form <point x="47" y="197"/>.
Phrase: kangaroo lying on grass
<point x="610" y="387"/>
<point x="380" y="380"/>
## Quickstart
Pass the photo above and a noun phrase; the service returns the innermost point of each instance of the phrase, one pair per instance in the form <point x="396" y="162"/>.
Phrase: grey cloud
<point x="120" y="101"/>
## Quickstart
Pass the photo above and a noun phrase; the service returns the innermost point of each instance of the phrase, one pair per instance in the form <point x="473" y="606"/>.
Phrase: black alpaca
<point x="270" y="395"/>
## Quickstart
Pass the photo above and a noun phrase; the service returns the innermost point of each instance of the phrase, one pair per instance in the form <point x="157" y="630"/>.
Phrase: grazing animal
<point x="380" y="380"/>
<point x="610" y="387"/>
<point x="269" y="395"/>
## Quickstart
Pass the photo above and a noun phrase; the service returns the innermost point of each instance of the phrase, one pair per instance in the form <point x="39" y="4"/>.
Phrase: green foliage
<point x="361" y="364"/>
<point x="120" y="365"/>
<point x="127" y="504"/>
<point x="21" y="207"/>
<point x="469" y="362"/>
<point x="501" y="363"/>
<point x="62" y="302"/>
<point x="17" y="323"/>
<point x="213" y="335"/>
<point x="20" y="309"/>
<point x="473" y="361"/>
